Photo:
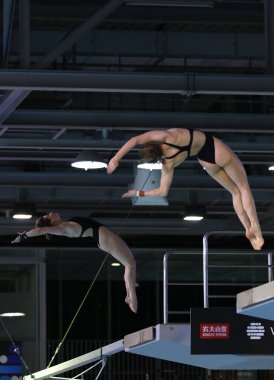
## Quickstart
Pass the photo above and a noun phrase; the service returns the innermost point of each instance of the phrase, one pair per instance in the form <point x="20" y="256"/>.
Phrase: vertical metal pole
<point x="270" y="270"/>
<point x="205" y="268"/>
<point x="109" y="319"/>
<point x="42" y="316"/>
<point x="157" y="296"/>
<point x="41" y="310"/>
<point x="60" y="297"/>
<point x="109" y="304"/>
<point x="165" y="291"/>
<point x="24" y="33"/>
<point x="268" y="32"/>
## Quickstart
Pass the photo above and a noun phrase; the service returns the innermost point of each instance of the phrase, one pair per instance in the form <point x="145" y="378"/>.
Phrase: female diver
<point x="79" y="227"/>
<point x="174" y="146"/>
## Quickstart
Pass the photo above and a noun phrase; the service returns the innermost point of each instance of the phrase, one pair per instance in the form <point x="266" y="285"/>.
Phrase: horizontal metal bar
<point x="182" y="283"/>
<point x="143" y="120"/>
<point x="222" y="296"/>
<point x="186" y="83"/>
<point x="233" y="233"/>
<point x="215" y="284"/>
<point x="240" y="266"/>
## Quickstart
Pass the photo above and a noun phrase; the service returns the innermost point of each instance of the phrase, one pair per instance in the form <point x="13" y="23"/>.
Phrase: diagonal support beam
<point x="14" y="99"/>
<point x="80" y="32"/>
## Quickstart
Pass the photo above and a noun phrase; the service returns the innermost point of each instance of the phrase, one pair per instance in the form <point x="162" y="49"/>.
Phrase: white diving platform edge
<point x="164" y="341"/>
<point x="257" y="302"/>
<point x="173" y="342"/>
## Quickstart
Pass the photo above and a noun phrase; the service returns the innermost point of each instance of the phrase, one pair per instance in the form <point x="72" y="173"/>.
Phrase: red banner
<point x="214" y="330"/>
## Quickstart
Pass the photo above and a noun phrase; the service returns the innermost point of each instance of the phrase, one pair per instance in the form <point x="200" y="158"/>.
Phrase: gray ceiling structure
<point x="80" y="75"/>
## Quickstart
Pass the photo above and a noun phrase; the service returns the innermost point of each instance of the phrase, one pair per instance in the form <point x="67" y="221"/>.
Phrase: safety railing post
<point x="165" y="285"/>
<point x="205" y="268"/>
<point x="205" y="259"/>
<point x="269" y="264"/>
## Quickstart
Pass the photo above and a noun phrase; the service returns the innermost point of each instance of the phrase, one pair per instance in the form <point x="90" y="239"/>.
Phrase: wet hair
<point x="44" y="222"/>
<point x="151" y="153"/>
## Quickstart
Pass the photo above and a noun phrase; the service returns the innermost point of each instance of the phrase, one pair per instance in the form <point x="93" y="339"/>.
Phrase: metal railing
<point x="166" y="283"/>
<point x="167" y="255"/>
<point x="269" y="265"/>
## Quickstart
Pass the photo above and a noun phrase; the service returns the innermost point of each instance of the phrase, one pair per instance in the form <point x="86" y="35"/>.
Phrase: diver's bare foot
<point x="132" y="303"/>
<point x="257" y="243"/>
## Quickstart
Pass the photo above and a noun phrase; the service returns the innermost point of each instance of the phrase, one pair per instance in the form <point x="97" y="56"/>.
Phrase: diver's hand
<point x="22" y="236"/>
<point x="112" y="165"/>
<point x="131" y="193"/>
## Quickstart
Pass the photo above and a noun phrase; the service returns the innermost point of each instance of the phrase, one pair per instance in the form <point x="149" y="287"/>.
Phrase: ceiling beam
<point x="133" y="227"/>
<point x="251" y="13"/>
<point x="160" y="83"/>
<point x="110" y="144"/>
<point x="140" y="121"/>
<point x="118" y="180"/>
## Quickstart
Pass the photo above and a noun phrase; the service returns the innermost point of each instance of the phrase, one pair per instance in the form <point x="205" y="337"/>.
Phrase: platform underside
<point x="172" y="342"/>
<point x="164" y="341"/>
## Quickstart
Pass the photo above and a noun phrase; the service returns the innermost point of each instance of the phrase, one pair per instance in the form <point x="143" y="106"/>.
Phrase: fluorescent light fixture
<point x="88" y="159"/>
<point x="23" y="211"/>
<point x="194" y="213"/>
<point x="193" y="218"/>
<point x="22" y="216"/>
<point x="271" y="167"/>
<point x="173" y="3"/>
<point x="13" y="314"/>
<point x="115" y="264"/>
<point x="89" y="165"/>
<point x="150" y="165"/>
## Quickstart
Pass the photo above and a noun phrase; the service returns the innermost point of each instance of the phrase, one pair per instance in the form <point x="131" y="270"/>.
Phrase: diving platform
<point x="173" y="342"/>
<point x="218" y="338"/>
<point x="164" y="341"/>
<point x="257" y="302"/>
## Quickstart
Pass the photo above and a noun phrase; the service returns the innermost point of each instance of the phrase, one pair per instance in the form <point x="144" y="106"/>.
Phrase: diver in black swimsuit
<point x="78" y="227"/>
<point x="206" y="153"/>
<point x="87" y="223"/>
<point x="173" y="146"/>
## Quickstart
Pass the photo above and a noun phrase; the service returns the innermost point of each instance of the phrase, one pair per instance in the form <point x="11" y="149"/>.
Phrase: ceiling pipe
<point x="140" y="120"/>
<point x="154" y="83"/>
